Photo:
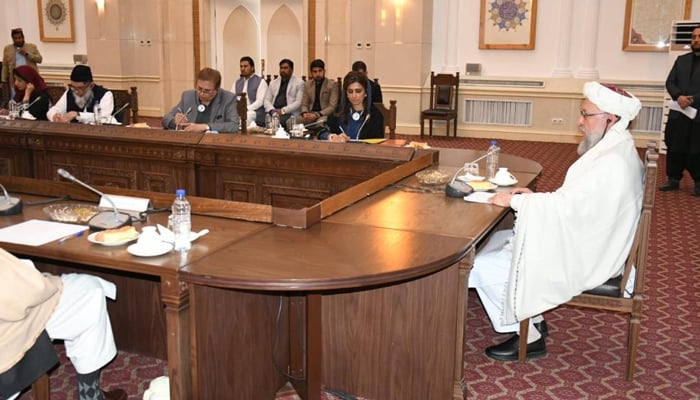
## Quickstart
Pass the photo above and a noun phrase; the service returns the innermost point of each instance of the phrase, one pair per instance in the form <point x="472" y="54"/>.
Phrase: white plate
<point x="151" y="251"/>
<point x="505" y="183"/>
<point x="93" y="239"/>
<point x="469" y="177"/>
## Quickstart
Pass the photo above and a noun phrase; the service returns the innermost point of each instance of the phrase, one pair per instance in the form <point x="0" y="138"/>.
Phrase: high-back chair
<point x="444" y="89"/>
<point x="610" y="295"/>
<point x="389" y="115"/>
<point x="129" y="99"/>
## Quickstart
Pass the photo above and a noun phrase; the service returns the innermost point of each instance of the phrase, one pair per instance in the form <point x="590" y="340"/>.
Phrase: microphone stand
<point x="102" y="220"/>
<point x="9" y="205"/>
<point x="117" y="112"/>
<point x="457" y="188"/>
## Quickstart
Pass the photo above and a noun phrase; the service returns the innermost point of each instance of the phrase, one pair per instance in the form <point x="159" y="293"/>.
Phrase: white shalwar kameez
<point x="571" y="240"/>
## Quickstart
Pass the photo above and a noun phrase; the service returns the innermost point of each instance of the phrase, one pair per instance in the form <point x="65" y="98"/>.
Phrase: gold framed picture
<point x="648" y="23"/>
<point x="508" y="24"/>
<point x="55" y="20"/>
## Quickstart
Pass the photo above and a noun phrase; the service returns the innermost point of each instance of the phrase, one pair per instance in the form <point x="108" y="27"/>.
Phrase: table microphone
<point x="456" y="188"/>
<point x="9" y="205"/>
<point x="118" y="111"/>
<point x="104" y="219"/>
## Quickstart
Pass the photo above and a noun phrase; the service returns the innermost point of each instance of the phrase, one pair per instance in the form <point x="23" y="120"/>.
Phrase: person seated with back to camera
<point x="357" y="117"/>
<point x="208" y="107"/>
<point x="36" y="308"/>
<point x="77" y="104"/>
<point x="30" y="92"/>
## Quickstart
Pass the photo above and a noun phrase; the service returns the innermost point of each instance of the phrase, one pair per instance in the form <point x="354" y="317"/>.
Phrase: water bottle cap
<point x="180" y="192"/>
<point x="493" y="143"/>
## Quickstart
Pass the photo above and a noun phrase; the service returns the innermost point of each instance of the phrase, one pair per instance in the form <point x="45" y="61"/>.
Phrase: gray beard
<point x="82" y="101"/>
<point x="588" y="142"/>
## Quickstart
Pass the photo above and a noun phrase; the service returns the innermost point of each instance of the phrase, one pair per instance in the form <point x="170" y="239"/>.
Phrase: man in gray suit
<point x="208" y="107"/>
<point x="682" y="132"/>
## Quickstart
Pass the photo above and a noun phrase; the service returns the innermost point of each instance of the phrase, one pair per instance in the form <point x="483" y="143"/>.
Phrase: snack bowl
<point x="432" y="177"/>
<point x="71" y="212"/>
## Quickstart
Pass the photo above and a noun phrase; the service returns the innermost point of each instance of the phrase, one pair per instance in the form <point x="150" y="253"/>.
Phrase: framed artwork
<point x="648" y="23"/>
<point x="55" y="20"/>
<point x="508" y="24"/>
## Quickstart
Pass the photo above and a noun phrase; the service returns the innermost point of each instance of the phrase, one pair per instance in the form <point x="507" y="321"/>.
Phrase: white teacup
<point x="504" y="176"/>
<point x="149" y="237"/>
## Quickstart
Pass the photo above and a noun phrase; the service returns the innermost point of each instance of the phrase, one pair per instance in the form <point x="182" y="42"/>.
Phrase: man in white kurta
<point x="570" y="240"/>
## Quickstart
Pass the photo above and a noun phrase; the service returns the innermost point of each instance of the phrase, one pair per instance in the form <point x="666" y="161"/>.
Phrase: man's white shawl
<point x="577" y="237"/>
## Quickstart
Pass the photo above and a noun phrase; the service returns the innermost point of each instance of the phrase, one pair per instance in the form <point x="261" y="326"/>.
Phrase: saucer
<point x="151" y="251"/>
<point x="503" y="183"/>
<point x="92" y="238"/>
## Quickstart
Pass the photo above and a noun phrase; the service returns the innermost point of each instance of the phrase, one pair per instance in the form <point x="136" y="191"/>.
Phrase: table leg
<point x="175" y="296"/>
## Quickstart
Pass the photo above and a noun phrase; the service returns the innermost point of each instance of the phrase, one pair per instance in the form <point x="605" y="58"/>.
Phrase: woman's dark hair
<point x="345" y="105"/>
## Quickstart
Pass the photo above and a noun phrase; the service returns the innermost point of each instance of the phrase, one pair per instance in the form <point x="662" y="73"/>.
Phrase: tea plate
<point x="150" y="251"/>
<point x="92" y="238"/>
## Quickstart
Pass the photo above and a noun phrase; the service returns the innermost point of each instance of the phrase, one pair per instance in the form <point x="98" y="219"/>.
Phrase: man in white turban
<point x="570" y="240"/>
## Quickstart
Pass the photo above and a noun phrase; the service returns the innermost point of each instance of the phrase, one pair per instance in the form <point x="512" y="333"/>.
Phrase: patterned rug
<point x="586" y="349"/>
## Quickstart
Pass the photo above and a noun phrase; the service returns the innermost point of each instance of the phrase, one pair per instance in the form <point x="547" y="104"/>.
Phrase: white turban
<point x="613" y="100"/>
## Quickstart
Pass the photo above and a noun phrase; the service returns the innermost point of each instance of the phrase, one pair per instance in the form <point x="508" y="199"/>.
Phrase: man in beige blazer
<point x="320" y="96"/>
<point x="15" y="54"/>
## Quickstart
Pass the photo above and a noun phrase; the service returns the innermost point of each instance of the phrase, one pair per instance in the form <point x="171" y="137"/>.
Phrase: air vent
<point x="649" y="119"/>
<point x="498" y="112"/>
<point x="502" y="82"/>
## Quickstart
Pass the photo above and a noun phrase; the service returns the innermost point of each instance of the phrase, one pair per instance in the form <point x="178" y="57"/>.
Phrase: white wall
<point x="23" y="14"/>
<point x="611" y="61"/>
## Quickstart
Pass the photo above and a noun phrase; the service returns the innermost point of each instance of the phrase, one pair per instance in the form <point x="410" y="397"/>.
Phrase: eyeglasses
<point x="76" y="88"/>
<point x="205" y="91"/>
<point x="585" y="115"/>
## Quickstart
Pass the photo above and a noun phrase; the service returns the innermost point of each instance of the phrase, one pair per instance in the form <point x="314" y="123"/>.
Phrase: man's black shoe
<point x="542" y="328"/>
<point x="670" y="186"/>
<point x="508" y="350"/>
<point x="696" y="191"/>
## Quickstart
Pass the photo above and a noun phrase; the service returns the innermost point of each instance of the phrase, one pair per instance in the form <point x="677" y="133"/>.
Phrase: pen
<point x="63" y="239"/>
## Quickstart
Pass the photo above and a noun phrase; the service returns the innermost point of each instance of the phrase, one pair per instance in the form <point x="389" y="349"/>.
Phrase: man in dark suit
<point x="361" y="67"/>
<point x="682" y="132"/>
<point x="208" y="107"/>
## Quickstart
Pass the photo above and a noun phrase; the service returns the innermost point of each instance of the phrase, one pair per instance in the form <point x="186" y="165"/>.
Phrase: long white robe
<point x="577" y="237"/>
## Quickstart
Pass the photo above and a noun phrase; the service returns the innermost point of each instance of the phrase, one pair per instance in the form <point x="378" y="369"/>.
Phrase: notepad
<point x="372" y="141"/>
<point x="36" y="232"/>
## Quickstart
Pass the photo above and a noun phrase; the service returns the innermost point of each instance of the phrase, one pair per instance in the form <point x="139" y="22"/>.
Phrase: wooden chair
<point x="444" y="93"/>
<point x="389" y="117"/>
<point x="242" y="110"/>
<point x="130" y="114"/>
<point x="55" y="93"/>
<point x="610" y="295"/>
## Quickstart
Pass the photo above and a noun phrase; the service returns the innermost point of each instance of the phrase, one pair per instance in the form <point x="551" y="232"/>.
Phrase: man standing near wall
<point x="16" y="54"/>
<point x="682" y="132"/>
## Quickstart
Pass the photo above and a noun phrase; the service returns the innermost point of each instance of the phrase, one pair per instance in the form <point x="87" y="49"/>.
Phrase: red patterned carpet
<point x="586" y="349"/>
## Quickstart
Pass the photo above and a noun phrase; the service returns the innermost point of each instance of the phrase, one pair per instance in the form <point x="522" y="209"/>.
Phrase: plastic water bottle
<point x="97" y="112"/>
<point x="492" y="159"/>
<point x="180" y="213"/>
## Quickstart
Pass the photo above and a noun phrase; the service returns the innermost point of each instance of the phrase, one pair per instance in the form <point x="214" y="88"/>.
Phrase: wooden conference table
<point x="371" y="300"/>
